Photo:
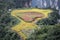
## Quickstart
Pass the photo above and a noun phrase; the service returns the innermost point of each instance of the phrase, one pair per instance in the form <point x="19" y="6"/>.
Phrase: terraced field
<point x="28" y="18"/>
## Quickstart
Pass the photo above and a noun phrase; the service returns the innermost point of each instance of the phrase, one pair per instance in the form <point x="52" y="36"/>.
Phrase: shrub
<point x="48" y="32"/>
<point x="51" y="20"/>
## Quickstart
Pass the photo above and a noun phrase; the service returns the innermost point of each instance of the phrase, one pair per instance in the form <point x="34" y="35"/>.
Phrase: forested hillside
<point x="11" y="12"/>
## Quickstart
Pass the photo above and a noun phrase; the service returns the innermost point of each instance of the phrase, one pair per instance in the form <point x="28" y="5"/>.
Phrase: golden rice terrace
<point x="28" y="17"/>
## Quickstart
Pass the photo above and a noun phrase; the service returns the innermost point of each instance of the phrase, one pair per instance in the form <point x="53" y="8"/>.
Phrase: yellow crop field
<point x="25" y="28"/>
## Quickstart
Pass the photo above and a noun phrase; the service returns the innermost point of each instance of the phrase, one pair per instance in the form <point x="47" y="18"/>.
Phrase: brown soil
<point x="30" y="16"/>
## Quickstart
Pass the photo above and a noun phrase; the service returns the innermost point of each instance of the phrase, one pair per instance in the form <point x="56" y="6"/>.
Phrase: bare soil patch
<point x="30" y="16"/>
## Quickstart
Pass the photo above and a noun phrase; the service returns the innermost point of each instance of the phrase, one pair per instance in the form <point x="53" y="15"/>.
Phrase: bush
<point x="51" y="20"/>
<point x="6" y="34"/>
<point x="6" y="22"/>
<point x="47" y="33"/>
<point x="5" y="25"/>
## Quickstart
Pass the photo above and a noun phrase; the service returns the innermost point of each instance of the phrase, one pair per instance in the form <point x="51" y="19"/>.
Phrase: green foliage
<point x="7" y="4"/>
<point x="6" y="34"/>
<point x="6" y="22"/>
<point x="47" y="32"/>
<point x="51" y="20"/>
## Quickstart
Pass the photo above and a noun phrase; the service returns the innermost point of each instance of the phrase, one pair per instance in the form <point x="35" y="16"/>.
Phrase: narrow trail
<point x="27" y="26"/>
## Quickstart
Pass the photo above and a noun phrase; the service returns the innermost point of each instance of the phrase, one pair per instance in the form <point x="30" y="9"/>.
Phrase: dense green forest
<point x="50" y="27"/>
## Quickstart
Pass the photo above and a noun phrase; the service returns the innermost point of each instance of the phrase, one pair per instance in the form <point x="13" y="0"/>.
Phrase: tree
<point x="47" y="32"/>
<point x="52" y="19"/>
<point x="7" y="21"/>
<point x="22" y="3"/>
